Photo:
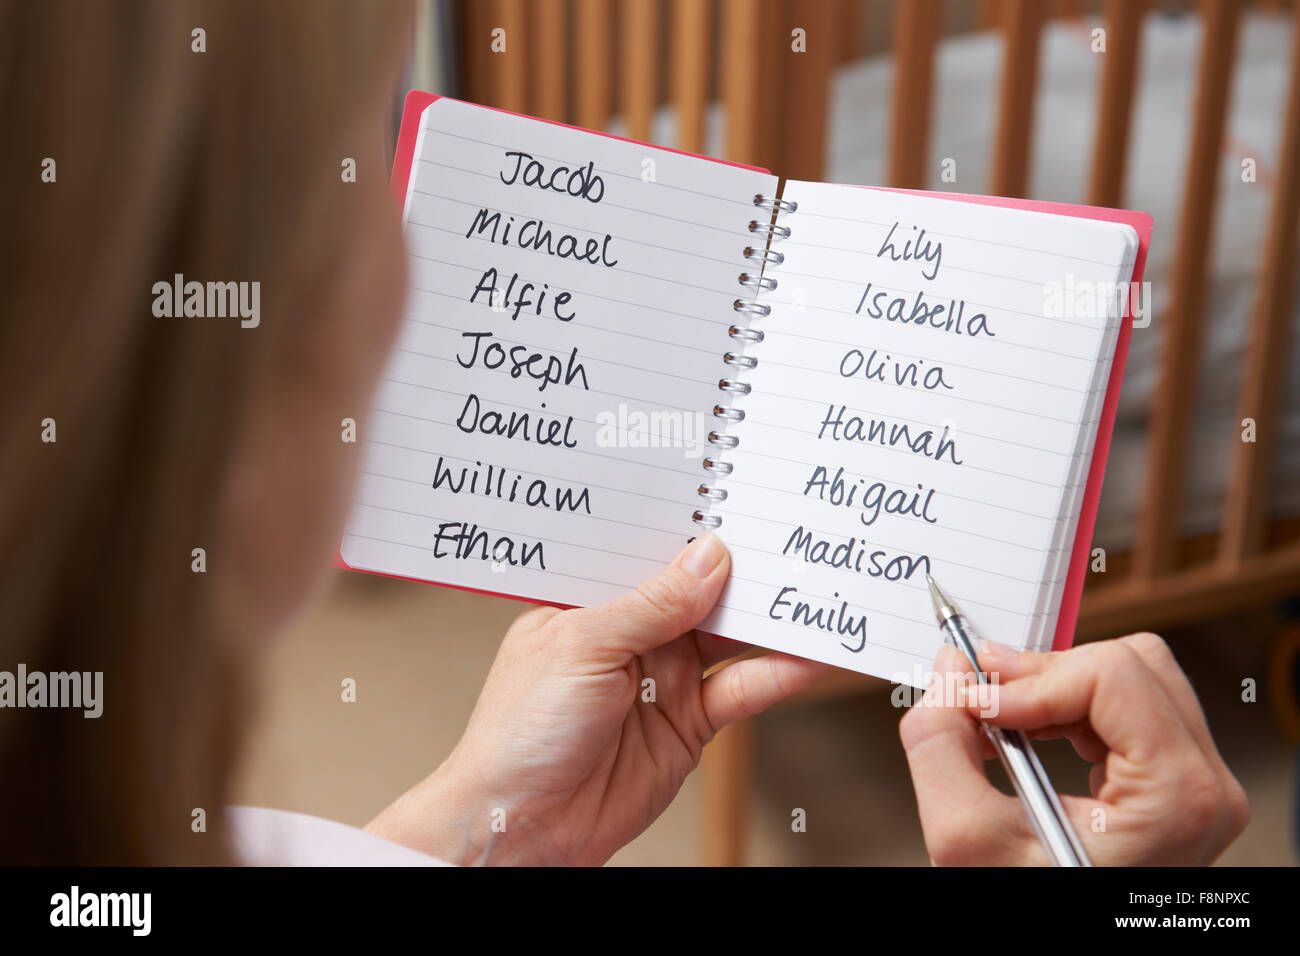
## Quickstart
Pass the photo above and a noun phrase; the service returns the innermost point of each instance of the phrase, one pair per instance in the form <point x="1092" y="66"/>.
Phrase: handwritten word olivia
<point x="916" y="248"/>
<point x="581" y="182"/>
<point x="905" y="373"/>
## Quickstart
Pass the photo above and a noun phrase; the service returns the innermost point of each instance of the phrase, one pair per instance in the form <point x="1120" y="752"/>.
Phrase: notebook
<point x="609" y="346"/>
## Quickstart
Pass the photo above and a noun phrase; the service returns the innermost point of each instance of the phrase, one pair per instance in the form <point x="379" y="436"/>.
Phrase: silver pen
<point x="1036" y="793"/>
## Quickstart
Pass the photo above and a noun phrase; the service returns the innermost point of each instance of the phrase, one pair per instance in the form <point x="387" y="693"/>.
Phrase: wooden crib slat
<point x="1159" y="518"/>
<point x="548" y="61"/>
<point x="727" y="774"/>
<point x="507" y="76"/>
<point x="1246" y="507"/>
<point x="807" y="91"/>
<point x="740" y="79"/>
<point x="775" y="60"/>
<point x="692" y="22"/>
<point x="916" y="28"/>
<point x="639" y="61"/>
<point x="1023" y="24"/>
<point x="991" y="14"/>
<point x="476" y="37"/>
<point x="1123" y="20"/>
<point x="592" y="95"/>
<point x="849" y="17"/>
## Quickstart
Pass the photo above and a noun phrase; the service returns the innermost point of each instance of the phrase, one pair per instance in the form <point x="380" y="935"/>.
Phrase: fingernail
<point x="991" y="654"/>
<point x="703" y="554"/>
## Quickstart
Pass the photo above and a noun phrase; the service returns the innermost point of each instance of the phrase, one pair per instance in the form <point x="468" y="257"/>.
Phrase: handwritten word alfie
<point x="516" y="303"/>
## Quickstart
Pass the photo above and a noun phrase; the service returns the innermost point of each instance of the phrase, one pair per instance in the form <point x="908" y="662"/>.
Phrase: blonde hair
<point x="218" y="165"/>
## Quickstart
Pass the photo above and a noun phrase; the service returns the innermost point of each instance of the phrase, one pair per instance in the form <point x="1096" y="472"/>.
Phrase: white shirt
<point x="264" y="837"/>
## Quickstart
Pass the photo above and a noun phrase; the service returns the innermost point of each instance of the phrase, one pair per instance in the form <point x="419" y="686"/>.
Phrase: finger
<point x="1081" y="736"/>
<point x="661" y="609"/>
<point x="749" y="687"/>
<point x="1159" y="659"/>
<point x="1007" y="663"/>
<point x="532" y="620"/>
<point x="713" y="650"/>
<point x="1004" y="663"/>
<point x="962" y="815"/>
<point x="1106" y="684"/>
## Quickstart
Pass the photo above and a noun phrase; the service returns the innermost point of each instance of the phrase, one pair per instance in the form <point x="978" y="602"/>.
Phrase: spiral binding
<point x="762" y="258"/>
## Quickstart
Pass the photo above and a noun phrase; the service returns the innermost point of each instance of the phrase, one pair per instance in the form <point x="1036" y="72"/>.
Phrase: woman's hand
<point x="589" y="722"/>
<point x="1161" y="794"/>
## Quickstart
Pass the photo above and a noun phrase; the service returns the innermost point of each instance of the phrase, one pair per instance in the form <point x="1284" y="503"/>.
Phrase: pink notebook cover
<point x="415" y="104"/>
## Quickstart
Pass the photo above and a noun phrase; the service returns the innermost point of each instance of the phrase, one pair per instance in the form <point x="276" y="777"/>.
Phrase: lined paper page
<point x="922" y="402"/>
<point x="540" y="427"/>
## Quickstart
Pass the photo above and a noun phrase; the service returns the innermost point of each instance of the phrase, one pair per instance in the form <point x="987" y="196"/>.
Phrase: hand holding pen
<point x="1160" y="792"/>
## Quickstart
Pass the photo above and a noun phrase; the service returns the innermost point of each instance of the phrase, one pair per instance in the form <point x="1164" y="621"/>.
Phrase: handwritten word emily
<point x="917" y="247"/>
<point x="836" y="620"/>
<point x="582" y="182"/>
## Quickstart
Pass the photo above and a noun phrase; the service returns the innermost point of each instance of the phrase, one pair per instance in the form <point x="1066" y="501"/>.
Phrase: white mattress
<point x="967" y="70"/>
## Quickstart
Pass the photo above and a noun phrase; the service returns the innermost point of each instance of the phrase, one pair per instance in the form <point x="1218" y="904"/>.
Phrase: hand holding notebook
<point x="609" y="345"/>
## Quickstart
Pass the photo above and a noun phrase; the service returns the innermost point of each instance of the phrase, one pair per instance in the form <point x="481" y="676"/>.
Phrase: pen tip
<point x="943" y="606"/>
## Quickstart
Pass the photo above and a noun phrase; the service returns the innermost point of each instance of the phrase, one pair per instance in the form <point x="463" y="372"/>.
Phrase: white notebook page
<point x="832" y="536"/>
<point x="628" y="368"/>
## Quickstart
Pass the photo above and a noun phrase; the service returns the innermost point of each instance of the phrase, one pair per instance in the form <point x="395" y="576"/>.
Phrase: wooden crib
<point x="583" y="61"/>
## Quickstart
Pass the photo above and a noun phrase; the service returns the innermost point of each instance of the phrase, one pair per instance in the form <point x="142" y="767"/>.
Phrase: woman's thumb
<point x="664" y="607"/>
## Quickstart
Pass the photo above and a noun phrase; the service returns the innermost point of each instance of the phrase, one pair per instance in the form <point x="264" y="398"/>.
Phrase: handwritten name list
<point x="558" y="281"/>
<point x="913" y="411"/>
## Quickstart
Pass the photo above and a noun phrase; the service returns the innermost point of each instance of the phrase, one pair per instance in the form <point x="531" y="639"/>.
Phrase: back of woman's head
<point x="150" y="145"/>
